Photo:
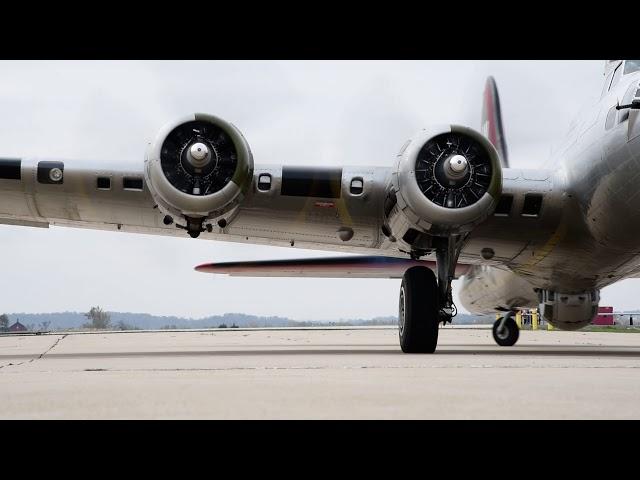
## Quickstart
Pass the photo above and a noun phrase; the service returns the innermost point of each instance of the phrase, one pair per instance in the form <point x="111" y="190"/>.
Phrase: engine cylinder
<point x="447" y="180"/>
<point x="199" y="166"/>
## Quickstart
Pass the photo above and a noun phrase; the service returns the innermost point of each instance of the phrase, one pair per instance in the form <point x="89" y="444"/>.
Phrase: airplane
<point x="448" y="206"/>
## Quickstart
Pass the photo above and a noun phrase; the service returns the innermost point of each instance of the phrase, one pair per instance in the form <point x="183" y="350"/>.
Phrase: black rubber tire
<point x="418" y="311"/>
<point x="509" y="336"/>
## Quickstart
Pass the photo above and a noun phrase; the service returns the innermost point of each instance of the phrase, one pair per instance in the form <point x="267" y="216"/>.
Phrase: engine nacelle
<point x="568" y="311"/>
<point x="447" y="180"/>
<point x="199" y="168"/>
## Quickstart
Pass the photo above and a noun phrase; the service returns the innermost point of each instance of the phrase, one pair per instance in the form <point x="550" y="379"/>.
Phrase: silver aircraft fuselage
<point x="590" y="238"/>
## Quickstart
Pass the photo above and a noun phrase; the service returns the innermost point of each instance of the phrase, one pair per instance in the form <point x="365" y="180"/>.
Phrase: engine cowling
<point x="569" y="311"/>
<point x="447" y="180"/>
<point x="199" y="168"/>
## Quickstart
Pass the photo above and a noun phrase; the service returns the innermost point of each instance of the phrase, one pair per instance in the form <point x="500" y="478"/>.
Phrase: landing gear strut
<point x="506" y="331"/>
<point x="447" y="258"/>
<point x="425" y="301"/>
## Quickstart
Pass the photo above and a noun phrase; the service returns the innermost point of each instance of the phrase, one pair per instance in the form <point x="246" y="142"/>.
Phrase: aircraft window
<point x="132" y="183"/>
<point x="504" y="206"/>
<point x="103" y="183"/>
<point x="357" y="186"/>
<point x="616" y="76"/>
<point x="631" y="66"/>
<point x="607" y="82"/>
<point x="532" y="205"/>
<point x="264" y="182"/>
<point x="611" y="118"/>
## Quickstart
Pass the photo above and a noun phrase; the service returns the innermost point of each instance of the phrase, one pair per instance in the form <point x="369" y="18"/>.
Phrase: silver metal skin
<point x="585" y="236"/>
<point x="590" y="239"/>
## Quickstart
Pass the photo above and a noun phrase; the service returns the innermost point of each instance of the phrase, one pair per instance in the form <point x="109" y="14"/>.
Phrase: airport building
<point x="604" y="316"/>
<point x="17" y="327"/>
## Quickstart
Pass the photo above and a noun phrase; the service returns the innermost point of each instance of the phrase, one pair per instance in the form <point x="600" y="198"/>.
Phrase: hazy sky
<point x="294" y="112"/>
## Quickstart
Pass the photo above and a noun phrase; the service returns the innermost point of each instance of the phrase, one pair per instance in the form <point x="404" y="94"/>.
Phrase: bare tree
<point x="98" y="319"/>
<point x="4" y="322"/>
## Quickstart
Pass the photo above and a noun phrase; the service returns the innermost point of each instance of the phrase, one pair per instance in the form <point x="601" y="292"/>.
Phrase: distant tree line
<point x="41" y="327"/>
<point x="174" y="327"/>
<point x="101" y="320"/>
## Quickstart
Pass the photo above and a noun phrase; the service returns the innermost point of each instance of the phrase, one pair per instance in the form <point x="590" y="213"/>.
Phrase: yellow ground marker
<point x="519" y="318"/>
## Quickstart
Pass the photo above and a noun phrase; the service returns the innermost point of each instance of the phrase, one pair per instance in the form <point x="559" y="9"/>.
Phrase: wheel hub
<point x="502" y="333"/>
<point x="401" y="316"/>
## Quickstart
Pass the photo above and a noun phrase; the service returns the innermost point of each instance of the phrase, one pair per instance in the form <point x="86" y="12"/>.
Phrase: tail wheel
<point x="506" y="332"/>
<point x="418" y="311"/>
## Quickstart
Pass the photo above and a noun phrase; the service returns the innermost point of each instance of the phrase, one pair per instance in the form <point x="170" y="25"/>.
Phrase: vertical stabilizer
<point x="492" y="120"/>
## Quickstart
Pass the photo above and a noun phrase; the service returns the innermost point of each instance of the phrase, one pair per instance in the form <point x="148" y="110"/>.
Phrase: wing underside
<point x="326" y="267"/>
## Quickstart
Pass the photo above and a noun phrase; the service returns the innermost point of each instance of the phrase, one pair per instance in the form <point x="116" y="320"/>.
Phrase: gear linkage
<point x="447" y="252"/>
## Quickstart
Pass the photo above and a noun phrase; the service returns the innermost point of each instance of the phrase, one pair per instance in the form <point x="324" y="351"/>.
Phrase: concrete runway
<point x="318" y="374"/>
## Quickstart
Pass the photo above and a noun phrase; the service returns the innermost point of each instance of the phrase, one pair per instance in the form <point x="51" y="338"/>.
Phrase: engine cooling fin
<point x="450" y="192"/>
<point x="182" y="174"/>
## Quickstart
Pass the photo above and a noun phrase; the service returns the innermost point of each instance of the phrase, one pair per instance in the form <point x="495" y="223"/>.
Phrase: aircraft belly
<point x="486" y="290"/>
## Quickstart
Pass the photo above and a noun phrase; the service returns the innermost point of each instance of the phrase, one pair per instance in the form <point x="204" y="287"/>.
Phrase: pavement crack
<point x="50" y="348"/>
<point x="39" y="356"/>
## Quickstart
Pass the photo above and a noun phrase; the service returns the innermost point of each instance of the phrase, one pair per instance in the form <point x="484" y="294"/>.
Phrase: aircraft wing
<point x="198" y="179"/>
<point x="327" y="267"/>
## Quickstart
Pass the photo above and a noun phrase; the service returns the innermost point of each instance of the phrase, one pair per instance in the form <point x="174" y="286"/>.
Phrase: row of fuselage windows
<point x="530" y="208"/>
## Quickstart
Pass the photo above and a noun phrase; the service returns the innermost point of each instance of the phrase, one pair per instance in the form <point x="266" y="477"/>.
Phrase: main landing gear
<point x="425" y="301"/>
<point x="418" y="316"/>
<point x="506" y="331"/>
